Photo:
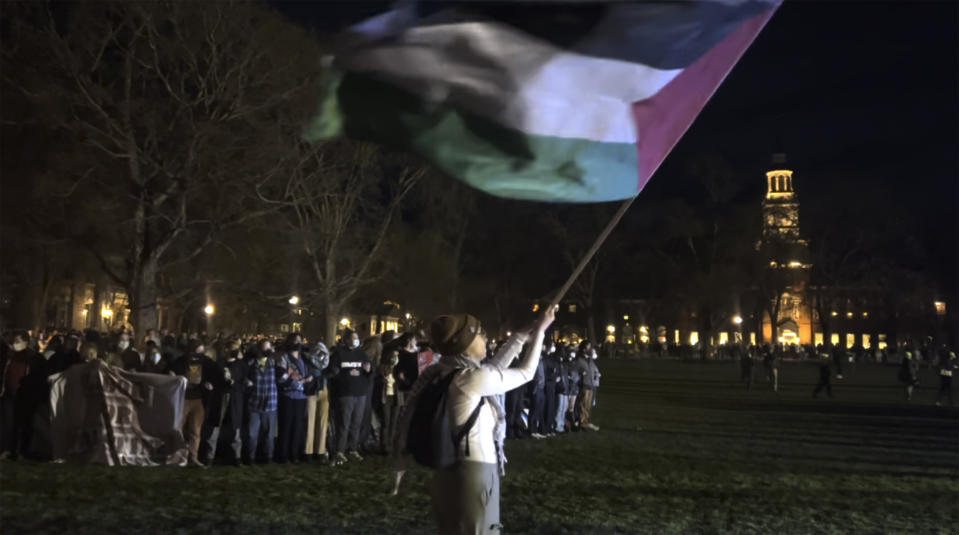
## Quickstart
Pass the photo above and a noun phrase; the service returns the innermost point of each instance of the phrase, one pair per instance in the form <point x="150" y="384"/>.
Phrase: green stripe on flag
<point x="499" y="160"/>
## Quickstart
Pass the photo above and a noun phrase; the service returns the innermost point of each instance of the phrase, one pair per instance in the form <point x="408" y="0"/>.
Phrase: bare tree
<point x="172" y="110"/>
<point x="339" y="201"/>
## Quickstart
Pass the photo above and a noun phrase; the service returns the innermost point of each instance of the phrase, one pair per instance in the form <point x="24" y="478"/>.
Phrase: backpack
<point x="431" y="439"/>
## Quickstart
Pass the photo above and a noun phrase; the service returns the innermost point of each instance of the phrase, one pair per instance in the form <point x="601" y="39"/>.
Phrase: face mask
<point x="123" y="345"/>
<point x="19" y="346"/>
<point x="356" y="343"/>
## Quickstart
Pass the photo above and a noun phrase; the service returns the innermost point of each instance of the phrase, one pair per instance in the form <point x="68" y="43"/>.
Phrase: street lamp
<point x="294" y="300"/>
<point x="610" y="329"/>
<point x="738" y="320"/>
<point x="345" y="322"/>
<point x="940" y="307"/>
<point x="208" y="310"/>
<point x="106" y="313"/>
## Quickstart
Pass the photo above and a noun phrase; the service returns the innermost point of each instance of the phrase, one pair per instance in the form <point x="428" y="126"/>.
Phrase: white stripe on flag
<point x="514" y="79"/>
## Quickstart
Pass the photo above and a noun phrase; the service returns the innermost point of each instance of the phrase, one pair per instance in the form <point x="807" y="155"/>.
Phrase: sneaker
<point x="338" y="459"/>
<point x="355" y="455"/>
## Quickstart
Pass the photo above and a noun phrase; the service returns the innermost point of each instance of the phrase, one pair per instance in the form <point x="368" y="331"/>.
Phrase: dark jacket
<point x="130" y="361"/>
<point x="406" y="371"/>
<point x="574" y="378"/>
<point x="198" y="369"/>
<point x="551" y="372"/>
<point x="581" y="367"/>
<point x="347" y="373"/>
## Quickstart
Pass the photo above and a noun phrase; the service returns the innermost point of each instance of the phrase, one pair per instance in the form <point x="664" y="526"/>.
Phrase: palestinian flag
<point x="548" y="102"/>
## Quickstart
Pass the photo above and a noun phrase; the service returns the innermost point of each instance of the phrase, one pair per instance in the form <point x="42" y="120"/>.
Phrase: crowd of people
<point x="261" y="399"/>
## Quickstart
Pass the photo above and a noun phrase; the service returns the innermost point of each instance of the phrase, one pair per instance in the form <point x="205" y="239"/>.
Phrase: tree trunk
<point x="330" y="313"/>
<point x="591" y="324"/>
<point x="143" y="297"/>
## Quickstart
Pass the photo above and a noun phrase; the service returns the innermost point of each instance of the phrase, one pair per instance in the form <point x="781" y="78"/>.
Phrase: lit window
<point x="723" y="338"/>
<point x="817" y="339"/>
<point x="866" y="341"/>
<point x="693" y="338"/>
<point x="752" y="338"/>
<point x="676" y="337"/>
<point x="795" y="264"/>
<point x="850" y="340"/>
<point x="572" y="308"/>
<point x="834" y="339"/>
<point x="882" y="341"/>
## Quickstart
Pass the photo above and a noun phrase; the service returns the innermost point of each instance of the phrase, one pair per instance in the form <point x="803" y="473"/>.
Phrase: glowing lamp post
<point x="208" y="310"/>
<point x="294" y="300"/>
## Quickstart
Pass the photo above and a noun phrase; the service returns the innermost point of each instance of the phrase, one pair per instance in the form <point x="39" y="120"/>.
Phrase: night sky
<point x="860" y="95"/>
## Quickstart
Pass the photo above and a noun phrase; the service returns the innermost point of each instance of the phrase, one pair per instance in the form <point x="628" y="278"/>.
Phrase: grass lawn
<point x="684" y="448"/>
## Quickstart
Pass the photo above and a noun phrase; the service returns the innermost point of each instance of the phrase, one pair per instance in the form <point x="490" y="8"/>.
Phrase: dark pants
<point x="390" y="414"/>
<point x="8" y="425"/>
<point x="260" y="426"/>
<point x="210" y="432"/>
<point x="945" y="389"/>
<point x="820" y="386"/>
<point x="514" y="412"/>
<point x="291" y="438"/>
<point x="549" y="408"/>
<point x="538" y="412"/>
<point x="349" y="418"/>
<point x="370" y="428"/>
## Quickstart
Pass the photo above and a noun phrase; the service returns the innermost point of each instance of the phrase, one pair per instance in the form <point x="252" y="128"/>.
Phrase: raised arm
<point x="493" y="379"/>
<point x="510" y="350"/>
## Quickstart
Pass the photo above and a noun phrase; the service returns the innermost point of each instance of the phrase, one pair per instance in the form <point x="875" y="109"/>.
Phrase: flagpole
<point x="592" y="251"/>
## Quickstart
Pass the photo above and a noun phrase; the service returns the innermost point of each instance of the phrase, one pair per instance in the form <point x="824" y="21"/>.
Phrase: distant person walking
<point x="825" y="377"/>
<point x="909" y="373"/>
<point x="771" y="361"/>
<point x="947" y="368"/>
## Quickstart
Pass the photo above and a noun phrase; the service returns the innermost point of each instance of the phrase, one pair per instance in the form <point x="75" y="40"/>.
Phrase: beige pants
<point x="317" y="422"/>
<point x="466" y="499"/>
<point x="193" y="414"/>
<point x="585" y="405"/>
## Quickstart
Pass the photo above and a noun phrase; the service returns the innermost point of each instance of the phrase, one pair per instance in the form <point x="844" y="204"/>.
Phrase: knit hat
<point x="452" y="334"/>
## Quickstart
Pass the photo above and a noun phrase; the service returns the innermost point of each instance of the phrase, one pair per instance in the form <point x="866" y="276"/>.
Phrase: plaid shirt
<point x="262" y="397"/>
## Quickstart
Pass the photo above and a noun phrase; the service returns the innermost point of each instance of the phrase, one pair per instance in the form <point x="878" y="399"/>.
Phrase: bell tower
<point x="780" y="207"/>
<point x="787" y="254"/>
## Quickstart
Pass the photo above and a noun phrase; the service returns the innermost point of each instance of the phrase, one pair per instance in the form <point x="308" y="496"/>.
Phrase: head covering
<point x="452" y="334"/>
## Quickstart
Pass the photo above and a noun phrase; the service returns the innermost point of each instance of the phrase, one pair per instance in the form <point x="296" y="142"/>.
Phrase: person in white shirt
<point x="466" y="496"/>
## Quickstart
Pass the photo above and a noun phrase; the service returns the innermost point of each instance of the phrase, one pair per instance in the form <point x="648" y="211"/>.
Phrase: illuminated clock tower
<point x="787" y="252"/>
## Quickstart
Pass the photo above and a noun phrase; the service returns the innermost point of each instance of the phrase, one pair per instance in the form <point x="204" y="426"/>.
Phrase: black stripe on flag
<point x="663" y="35"/>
